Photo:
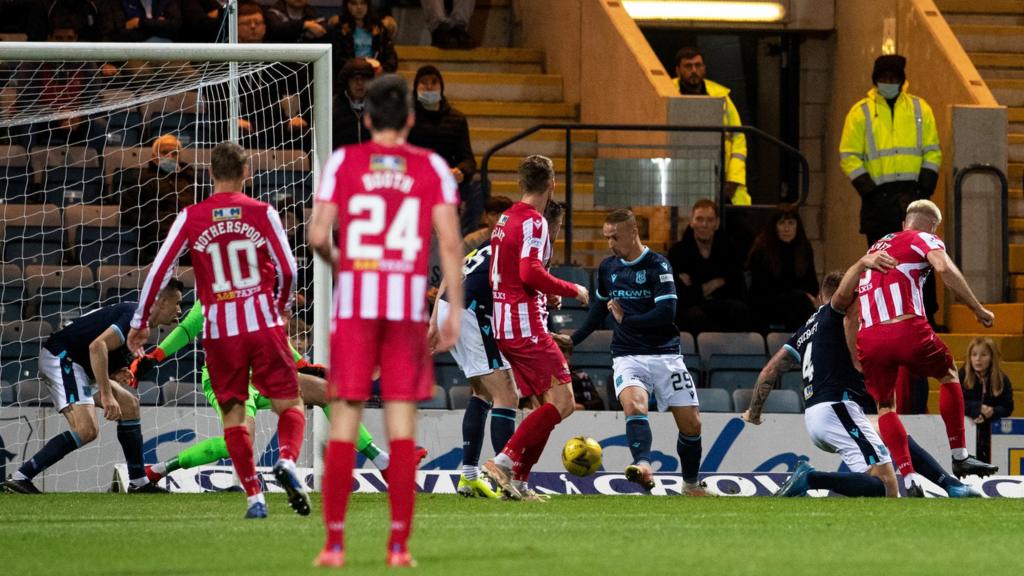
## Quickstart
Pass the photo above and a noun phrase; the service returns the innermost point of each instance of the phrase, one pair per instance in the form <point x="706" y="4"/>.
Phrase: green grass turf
<point x="205" y="534"/>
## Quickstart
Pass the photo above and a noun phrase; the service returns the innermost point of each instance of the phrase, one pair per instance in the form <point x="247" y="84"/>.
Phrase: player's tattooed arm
<point x="781" y="362"/>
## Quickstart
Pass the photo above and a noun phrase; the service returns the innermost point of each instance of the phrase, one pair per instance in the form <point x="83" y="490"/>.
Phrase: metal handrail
<point x="958" y="202"/>
<point x="805" y="179"/>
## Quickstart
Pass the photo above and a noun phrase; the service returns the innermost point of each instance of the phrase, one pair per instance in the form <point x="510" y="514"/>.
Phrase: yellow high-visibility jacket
<point x="735" y="143"/>
<point x="889" y="145"/>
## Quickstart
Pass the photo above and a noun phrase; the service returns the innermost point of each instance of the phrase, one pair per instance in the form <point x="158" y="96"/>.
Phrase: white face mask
<point x="168" y="165"/>
<point x="888" y="91"/>
<point x="431" y="100"/>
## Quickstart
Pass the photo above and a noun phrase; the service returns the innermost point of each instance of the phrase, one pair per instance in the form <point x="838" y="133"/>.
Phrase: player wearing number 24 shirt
<point x="245" y="276"/>
<point x="383" y="197"/>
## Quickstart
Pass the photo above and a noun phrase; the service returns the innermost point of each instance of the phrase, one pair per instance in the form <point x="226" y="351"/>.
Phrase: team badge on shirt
<point x="641" y="276"/>
<point x="222" y="214"/>
<point x="387" y="162"/>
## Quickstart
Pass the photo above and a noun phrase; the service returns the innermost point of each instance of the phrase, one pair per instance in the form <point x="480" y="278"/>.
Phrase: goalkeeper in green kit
<point x="312" y="386"/>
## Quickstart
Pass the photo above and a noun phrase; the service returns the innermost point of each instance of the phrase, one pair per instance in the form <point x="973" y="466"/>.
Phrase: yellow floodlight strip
<point x="705" y="10"/>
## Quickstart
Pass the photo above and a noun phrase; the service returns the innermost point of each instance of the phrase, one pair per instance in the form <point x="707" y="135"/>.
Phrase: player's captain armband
<point x="932" y="241"/>
<point x="665" y="277"/>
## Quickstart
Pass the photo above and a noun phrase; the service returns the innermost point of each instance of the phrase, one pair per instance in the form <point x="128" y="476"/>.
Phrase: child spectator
<point x="988" y="394"/>
<point x="783" y="281"/>
<point x="360" y="33"/>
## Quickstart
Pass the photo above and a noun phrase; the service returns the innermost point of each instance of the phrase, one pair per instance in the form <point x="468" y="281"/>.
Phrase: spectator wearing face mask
<point x="443" y="129"/>
<point x="165" y="187"/>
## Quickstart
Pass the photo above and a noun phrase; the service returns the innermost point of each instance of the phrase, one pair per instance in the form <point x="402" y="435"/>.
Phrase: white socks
<point x="382" y="460"/>
<point x="959" y="453"/>
<point x="503" y="460"/>
<point x="256" y="498"/>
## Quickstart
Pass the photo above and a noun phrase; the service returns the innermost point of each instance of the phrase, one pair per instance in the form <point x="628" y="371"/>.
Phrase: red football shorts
<point x="535" y="363"/>
<point x="911" y="344"/>
<point x="265" y="353"/>
<point x="398" y="347"/>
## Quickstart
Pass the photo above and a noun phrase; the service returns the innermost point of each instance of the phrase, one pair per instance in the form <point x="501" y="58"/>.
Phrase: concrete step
<point x="985" y="19"/>
<point x="583" y="195"/>
<point x="484" y="59"/>
<point x="948" y="7"/>
<point x="1016" y="258"/>
<point x="1009" y="319"/>
<point x="990" y="38"/>
<point x="996" y="65"/>
<point x="1015" y="148"/>
<point x="1014" y="173"/>
<point x="510" y="164"/>
<point x="546" y="142"/>
<point x="1008" y="91"/>
<point x="518" y="115"/>
<point x="499" y="86"/>
<point x="1016" y="203"/>
<point x="1010" y="345"/>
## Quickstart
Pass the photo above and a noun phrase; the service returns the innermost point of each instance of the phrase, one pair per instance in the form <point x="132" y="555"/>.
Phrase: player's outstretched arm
<point x="321" y="225"/>
<point x="159" y="275"/>
<point x="956" y="282"/>
<point x="446" y="222"/>
<point x="99" y="349"/>
<point x="782" y="361"/>
<point x="847" y="291"/>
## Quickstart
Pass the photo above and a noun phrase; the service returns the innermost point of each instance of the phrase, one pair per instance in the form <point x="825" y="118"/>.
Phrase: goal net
<point x="100" y="147"/>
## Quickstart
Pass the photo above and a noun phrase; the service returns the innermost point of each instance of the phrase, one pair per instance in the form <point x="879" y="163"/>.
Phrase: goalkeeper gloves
<point x="143" y="365"/>
<point x="306" y="367"/>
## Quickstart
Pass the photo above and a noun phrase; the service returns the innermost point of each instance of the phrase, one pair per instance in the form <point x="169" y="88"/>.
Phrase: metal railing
<point x="805" y="177"/>
<point x="958" y="202"/>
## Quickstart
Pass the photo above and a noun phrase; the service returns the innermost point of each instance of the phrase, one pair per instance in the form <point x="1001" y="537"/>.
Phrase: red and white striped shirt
<point x="244" y="267"/>
<point x="884" y="296"/>
<point x="385" y="198"/>
<point x="520" y="246"/>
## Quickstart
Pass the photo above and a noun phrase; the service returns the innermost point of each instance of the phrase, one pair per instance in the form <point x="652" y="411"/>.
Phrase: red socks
<point x="895" y="437"/>
<point x="240" y="449"/>
<point x="291" y="426"/>
<point x="951" y="406"/>
<point x="401" y="492"/>
<point x="533" y="433"/>
<point x="339" y="460"/>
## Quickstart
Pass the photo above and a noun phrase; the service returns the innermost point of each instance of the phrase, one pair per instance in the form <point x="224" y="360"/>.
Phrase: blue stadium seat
<point x="15" y="184"/>
<point x="696" y="368"/>
<point x="279" y="187"/>
<point x="12" y="293"/>
<point x="594" y="352"/>
<point x="709" y="343"/>
<point x="793" y="381"/>
<point x="439" y="401"/>
<point x="753" y="362"/>
<point x="559" y="320"/>
<point x="576" y="275"/>
<point x="715" y="400"/>
<point x="124" y="128"/>
<point x="775" y="340"/>
<point x="182" y="125"/>
<point x="63" y="185"/>
<point x="98" y="245"/>
<point x="730" y="380"/>
<point x="59" y="304"/>
<point x="459" y="397"/>
<point x="32" y="392"/>
<point x="778" y="402"/>
<point x="7" y="393"/>
<point x="687" y="344"/>
<point x="449" y="376"/>
<point x="149" y="393"/>
<point x="29" y="245"/>
<point x="19" y="362"/>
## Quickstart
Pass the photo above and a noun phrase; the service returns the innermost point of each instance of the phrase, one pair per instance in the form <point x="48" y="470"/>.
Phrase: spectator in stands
<point x="783" y="280"/>
<point x="140" y="21"/>
<point x="252" y="25"/>
<point x="443" y="129"/>
<point x="691" y="81"/>
<point x="294" y="21"/>
<point x="82" y="16"/>
<point x="349" y="103"/>
<point x="495" y="207"/>
<point x="988" y="394"/>
<point x="449" y="30"/>
<point x="203" y="21"/>
<point x="709" y="276"/>
<point x="166" y="187"/>
<point x="360" y="33"/>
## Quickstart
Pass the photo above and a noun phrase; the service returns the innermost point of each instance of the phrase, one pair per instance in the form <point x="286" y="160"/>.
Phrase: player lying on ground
<point x="383" y="196"/>
<point x="895" y="334"/>
<point x="836" y="398"/>
<point x="637" y="287"/>
<point x="245" y="277"/>
<point x="521" y="247"/>
<point x="68" y="362"/>
<point x="312" y="385"/>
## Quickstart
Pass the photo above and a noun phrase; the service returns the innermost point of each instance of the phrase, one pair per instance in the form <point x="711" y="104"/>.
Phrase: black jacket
<point x="284" y="29"/>
<point x="196" y="24"/>
<point x="1002" y="405"/>
<point x="114" y="17"/>
<point x="446" y="132"/>
<point x="348" y="124"/>
<point x="344" y="42"/>
<point x="724" y="262"/>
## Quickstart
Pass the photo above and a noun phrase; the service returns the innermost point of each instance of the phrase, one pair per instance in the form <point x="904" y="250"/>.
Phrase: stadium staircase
<point x="992" y="34"/>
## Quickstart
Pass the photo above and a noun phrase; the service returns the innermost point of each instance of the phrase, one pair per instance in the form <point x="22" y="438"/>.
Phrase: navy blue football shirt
<point x="74" y="339"/>
<point x="828" y="372"/>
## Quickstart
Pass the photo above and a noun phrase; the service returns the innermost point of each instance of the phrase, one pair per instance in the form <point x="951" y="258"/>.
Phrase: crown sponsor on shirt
<point x="222" y="214"/>
<point x="387" y="162"/>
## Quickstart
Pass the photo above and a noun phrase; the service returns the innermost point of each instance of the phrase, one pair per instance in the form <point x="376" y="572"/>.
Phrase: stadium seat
<point x="12" y="292"/>
<point x="33" y="245"/>
<point x="709" y="343"/>
<point x="695" y="367"/>
<point x="79" y="215"/>
<point x="565" y="318"/>
<point x="687" y="344"/>
<point x="183" y="394"/>
<point x="107" y="245"/>
<point x="181" y="124"/>
<point x="794" y="381"/>
<point x="715" y="400"/>
<point x="20" y="342"/>
<point x="58" y="305"/>
<point x="124" y="128"/>
<point x="731" y="380"/>
<point x="603" y="382"/>
<point x="7" y="393"/>
<point x="70" y="174"/>
<point x="459" y="397"/>
<point x="594" y="352"/>
<point x="753" y="362"/>
<point x="449" y="376"/>
<point x="25" y="331"/>
<point x="15" y="181"/>
<point x="576" y="275"/>
<point x="439" y="401"/>
<point x="149" y="393"/>
<point x="32" y="392"/>
<point x="775" y="340"/>
<point x="117" y="282"/>
<point x="280" y="187"/>
<point x="778" y="402"/>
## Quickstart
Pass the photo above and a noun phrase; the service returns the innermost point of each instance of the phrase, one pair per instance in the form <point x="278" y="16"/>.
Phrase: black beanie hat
<point x="428" y="70"/>
<point x="893" y="63"/>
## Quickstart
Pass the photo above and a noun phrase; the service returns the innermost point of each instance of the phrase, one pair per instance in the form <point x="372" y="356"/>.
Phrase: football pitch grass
<point x="590" y="535"/>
